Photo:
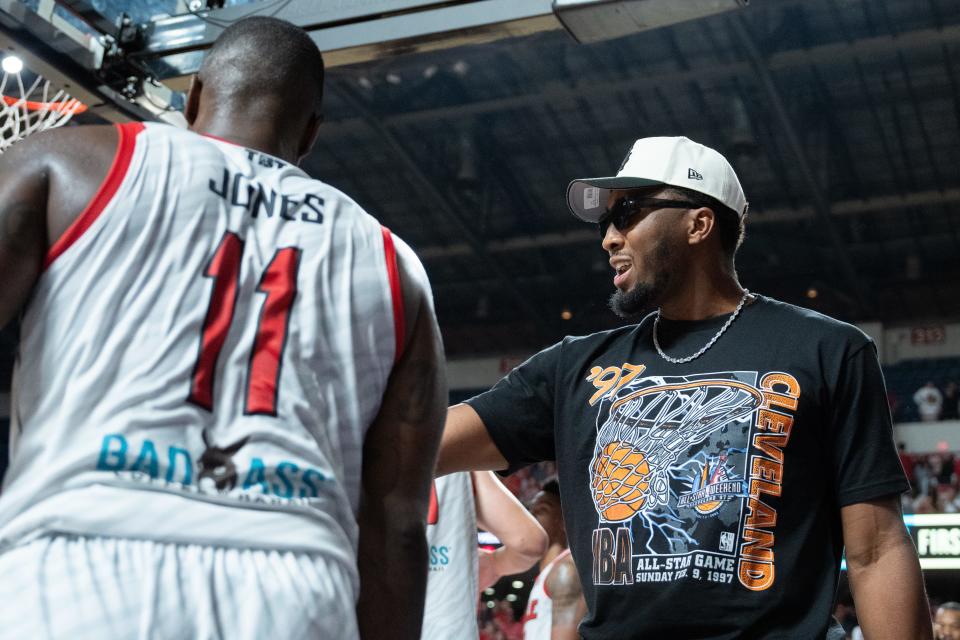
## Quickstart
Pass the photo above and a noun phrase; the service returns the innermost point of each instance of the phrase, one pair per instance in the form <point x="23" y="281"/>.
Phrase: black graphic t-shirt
<point x="702" y="500"/>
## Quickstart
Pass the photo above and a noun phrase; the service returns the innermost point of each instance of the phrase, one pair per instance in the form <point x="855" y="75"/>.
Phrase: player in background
<point x="229" y="389"/>
<point x="458" y="569"/>
<point x="946" y="623"/>
<point x="555" y="606"/>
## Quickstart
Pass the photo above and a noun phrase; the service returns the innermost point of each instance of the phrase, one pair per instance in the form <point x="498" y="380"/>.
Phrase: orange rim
<point x="72" y="106"/>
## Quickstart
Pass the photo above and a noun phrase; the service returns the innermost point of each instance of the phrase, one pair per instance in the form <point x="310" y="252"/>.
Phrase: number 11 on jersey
<point x="279" y="283"/>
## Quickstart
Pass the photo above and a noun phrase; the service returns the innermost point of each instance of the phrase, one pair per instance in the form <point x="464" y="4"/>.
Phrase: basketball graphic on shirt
<point x="620" y="481"/>
<point x="649" y="425"/>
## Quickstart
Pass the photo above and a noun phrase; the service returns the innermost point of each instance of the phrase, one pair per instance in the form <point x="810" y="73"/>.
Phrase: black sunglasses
<point x="624" y="210"/>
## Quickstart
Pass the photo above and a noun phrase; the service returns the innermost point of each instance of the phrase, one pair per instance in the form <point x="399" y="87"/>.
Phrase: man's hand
<point x="884" y="572"/>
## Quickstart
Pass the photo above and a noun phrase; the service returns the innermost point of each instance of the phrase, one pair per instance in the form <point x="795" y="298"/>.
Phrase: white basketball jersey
<point x="538" y="618"/>
<point x="202" y="355"/>
<point x="450" y="610"/>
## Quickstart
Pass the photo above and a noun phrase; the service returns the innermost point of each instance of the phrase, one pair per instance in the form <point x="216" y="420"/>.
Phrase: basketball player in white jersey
<point x="229" y="387"/>
<point x="555" y="606"/>
<point x="459" y="503"/>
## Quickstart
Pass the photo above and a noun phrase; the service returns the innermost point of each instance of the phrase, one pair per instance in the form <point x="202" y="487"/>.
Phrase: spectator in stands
<point x="922" y="476"/>
<point x="906" y="461"/>
<point x="947" y="499"/>
<point x="945" y="473"/>
<point x="926" y="502"/>
<point x="951" y="402"/>
<point x="946" y="624"/>
<point x="846" y="615"/>
<point x="929" y="402"/>
<point x="906" y="503"/>
<point x="490" y="631"/>
<point x="506" y="621"/>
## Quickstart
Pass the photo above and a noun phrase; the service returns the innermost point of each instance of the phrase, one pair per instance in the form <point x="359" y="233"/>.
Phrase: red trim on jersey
<point x="127" y="133"/>
<point x="393" y="274"/>
<point x="529" y="614"/>
<point x="433" y="513"/>
<point x="219" y="139"/>
<point x="549" y="568"/>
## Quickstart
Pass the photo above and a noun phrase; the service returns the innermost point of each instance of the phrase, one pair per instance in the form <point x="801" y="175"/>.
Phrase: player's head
<point x="946" y="624"/>
<point x="673" y="205"/>
<point x="545" y="507"/>
<point x="262" y="70"/>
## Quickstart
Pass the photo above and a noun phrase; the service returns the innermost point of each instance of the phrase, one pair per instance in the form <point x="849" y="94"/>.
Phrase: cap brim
<point x="591" y="206"/>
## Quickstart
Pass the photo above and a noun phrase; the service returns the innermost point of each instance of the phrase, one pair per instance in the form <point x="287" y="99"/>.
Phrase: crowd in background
<point x="944" y="614"/>
<point x="931" y="402"/>
<point x="499" y="622"/>
<point x="933" y="481"/>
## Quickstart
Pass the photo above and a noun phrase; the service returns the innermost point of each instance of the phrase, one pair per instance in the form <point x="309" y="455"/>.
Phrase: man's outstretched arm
<point x="466" y="444"/>
<point x="500" y="513"/>
<point x="884" y="572"/>
<point x="399" y="455"/>
<point x="568" y="607"/>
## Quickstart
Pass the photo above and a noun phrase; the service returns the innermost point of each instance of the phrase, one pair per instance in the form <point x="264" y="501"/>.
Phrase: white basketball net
<point x="26" y="109"/>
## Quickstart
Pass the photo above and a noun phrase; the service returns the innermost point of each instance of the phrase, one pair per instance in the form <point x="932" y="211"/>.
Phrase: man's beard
<point x="644" y="297"/>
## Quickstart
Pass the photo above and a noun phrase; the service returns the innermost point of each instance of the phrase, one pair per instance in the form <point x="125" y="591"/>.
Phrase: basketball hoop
<point x="26" y="108"/>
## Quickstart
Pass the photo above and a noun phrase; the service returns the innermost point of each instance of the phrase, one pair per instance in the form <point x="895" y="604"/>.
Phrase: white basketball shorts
<point x="115" y="589"/>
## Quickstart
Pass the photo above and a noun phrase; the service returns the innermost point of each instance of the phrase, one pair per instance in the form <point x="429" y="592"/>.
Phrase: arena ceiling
<point x="842" y="118"/>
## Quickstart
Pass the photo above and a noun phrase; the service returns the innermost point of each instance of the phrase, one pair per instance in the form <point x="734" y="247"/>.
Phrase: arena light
<point x="12" y="64"/>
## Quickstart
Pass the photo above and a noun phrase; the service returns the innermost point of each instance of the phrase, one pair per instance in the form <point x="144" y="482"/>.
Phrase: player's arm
<point x="569" y="606"/>
<point x="884" y="572"/>
<point x="399" y="454"/>
<point x="500" y="513"/>
<point x="24" y="182"/>
<point x="466" y="444"/>
<point x="46" y="180"/>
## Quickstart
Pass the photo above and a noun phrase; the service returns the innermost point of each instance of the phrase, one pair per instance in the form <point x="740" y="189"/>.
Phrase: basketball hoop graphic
<point x="648" y="429"/>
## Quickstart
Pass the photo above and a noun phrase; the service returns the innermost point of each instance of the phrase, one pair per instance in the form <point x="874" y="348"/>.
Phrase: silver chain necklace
<point x="733" y="316"/>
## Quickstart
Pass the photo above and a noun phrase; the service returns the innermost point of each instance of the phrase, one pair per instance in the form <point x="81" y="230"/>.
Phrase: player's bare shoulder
<point x="80" y="145"/>
<point x="564" y="582"/>
<point x="77" y="160"/>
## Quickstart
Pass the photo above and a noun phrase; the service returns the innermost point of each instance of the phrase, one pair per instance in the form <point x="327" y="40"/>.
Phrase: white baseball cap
<point x="677" y="162"/>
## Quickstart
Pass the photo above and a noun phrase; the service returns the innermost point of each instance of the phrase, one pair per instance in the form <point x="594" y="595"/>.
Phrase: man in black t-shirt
<point x="716" y="456"/>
